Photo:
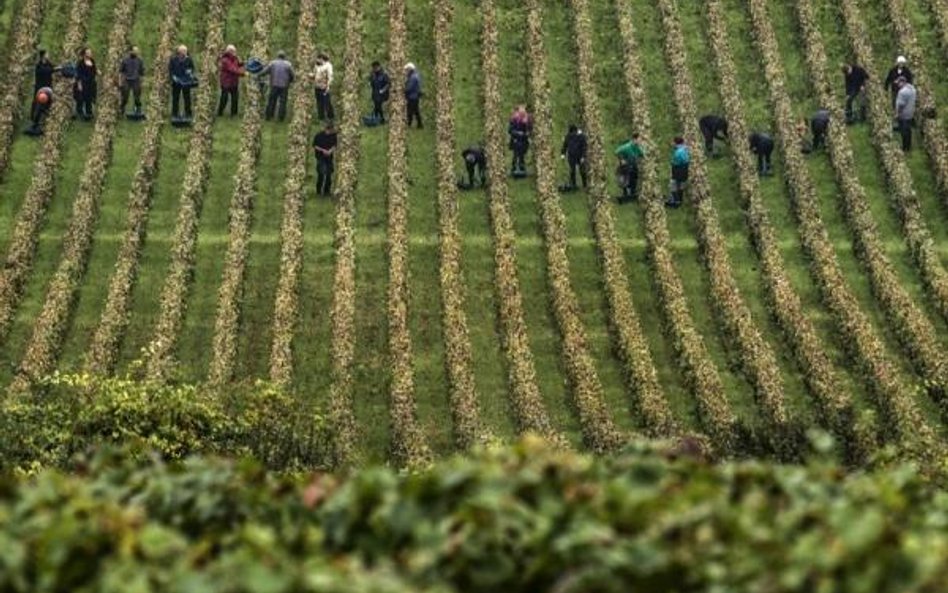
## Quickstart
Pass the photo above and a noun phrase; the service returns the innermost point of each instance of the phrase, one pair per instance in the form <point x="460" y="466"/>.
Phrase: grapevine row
<point x="457" y="342"/>
<point x="287" y="300"/>
<point x="408" y="442"/>
<point x="106" y="341"/>
<point x="756" y="355"/>
<point x="28" y="21"/>
<point x="529" y="409"/>
<point x="341" y="415"/>
<point x="159" y="355"/>
<point x="713" y="408"/>
<point x="932" y="135"/>
<point x="939" y="9"/>
<point x="22" y="247"/>
<point x="821" y="377"/>
<point x="42" y="351"/>
<point x="902" y="416"/>
<point x="599" y="432"/>
<point x="913" y="328"/>
<point x="906" y="202"/>
<point x="633" y="348"/>
<point x="227" y="322"/>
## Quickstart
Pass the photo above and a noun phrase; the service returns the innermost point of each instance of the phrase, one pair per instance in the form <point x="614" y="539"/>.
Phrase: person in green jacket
<point x="627" y="172"/>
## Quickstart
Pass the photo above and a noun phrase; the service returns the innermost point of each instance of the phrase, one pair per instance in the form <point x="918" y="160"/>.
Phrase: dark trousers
<point x="39" y="113"/>
<point x="763" y="160"/>
<point x="324" y="169"/>
<point x="519" y="162"/>
<point x="414" y="110"/>
<point x="708" y="135"/>
<point x="324" y="108"/>
<point x="377" y="109"/>
<point x="819" y="134"/>
<point x="905" y="130"/>
<point x="134" y="88"/>
<point x="231" y="94"/>
<point x="277" y="95"/>
<point x="473" y="170"/>
<point x="851" y="114"/>
<point x="85" y="99"/>
<point x="177" y="91"/>
<point x="631" y="188"/>
<point x="574" y="165"/>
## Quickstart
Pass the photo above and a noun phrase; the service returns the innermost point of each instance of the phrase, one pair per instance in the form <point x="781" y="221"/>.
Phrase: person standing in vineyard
<point x="181" y="71"/>
<point x="413" y="94"/>
<point x="905" y="111"/>
<point x="86" y="88"/>
<point x="713" y="127"/>
<point x="819" y="126"/>
<point x="281" y="76"/>
<point x="324" y="145"/>
<point x="323" y="79"/>
<point x="574" y="151"/>
<point x="131" y="71"/>
<point x="519" y="129"/>
<point x="42" y="78"/>
<point x="231" y="69"/>
<point x="855" y="77"/>
<point x="627" y="173"/>
<point x="380" y="82"/>
<point x="900" y="70"/>
<point x="763" y="146"/>
<point x="475" y="160"/>
<point x="680" y="164"/>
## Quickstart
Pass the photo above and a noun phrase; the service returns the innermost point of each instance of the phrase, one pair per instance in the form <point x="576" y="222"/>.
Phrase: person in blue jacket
<point x="680" y="163"/>
<point x="413" y="94"/>
<point x="379" y="82"/>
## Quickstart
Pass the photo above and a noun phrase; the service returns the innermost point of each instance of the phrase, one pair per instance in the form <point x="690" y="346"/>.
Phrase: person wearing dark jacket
<point x="413" y="94"/>
<point x="475" y="161"/>
<point x="763" y="146"/>
<point x="819" y="126"/>
<point x="42" y="78"/>
<point x="574" y="151"/>
<point x="42" y="102"/>
<point x="131" y="71"/>
<point x="713" y="127"/>
<point x="86" y="88"/>
<point x="324" y="146"/>
<point x="900" y="70"/>
<point x="519" y="129"/>
<point x="231" y="69"/>
<point x="380" y="83"/>
<point x="181" y="69"/>
<point x="855" y="77"/>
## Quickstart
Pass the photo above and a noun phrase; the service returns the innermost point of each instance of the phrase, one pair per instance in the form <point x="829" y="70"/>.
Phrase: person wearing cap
<point x="281" y="76"/>
<point x="900" y="70"/>
<point x="413" y="94"/>
<point x="713" y="127"/>
<point x="231" y="69"/>
<point x="680" y="164"/>
<point x="475" y="161"/>
<point x="629" y="153"/>
<point x="574" y="151"/>
<point x="322" y="77"/>
<point x="42" y="77"/>
<point x="324" y="146"/>
<point x="819" y="126"/>
<point x="855" y="77"/>
<point x="181" y="71"/>
<point x="86" y="87"/>
<point x="905" y="111"/>
<point x="762" y="145"/>
<point x="131" y="71"/>
<point x="380" y="83"/>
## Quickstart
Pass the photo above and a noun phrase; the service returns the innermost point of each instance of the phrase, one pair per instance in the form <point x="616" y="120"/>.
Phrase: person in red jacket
<point x="231" y="69"/>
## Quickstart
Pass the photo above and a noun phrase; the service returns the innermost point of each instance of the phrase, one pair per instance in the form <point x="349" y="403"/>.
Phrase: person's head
<point x="376" y="66"/>
<point x="86" y="53"/>
<point x="847" y="68"/>
<point x="182" y="51"/>
<point x="635" y="136"/>
<point x="573" y="128"/>
<point x="470" y="157"/>
<point x="900" y="82"/>
<point x="409" y="67"/>
<point x="330" y="127"/>
<point x="901" y="61"/>
<point x="230" y="50"/>
<point x="41" y="55"/>
<point x="678" y="141"/>
<point x="133" y="51"/>
<point x="281" y="55"/>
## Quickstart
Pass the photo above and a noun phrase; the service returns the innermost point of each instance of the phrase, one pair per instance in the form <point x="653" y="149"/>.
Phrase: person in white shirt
<point x="323" y="79"/>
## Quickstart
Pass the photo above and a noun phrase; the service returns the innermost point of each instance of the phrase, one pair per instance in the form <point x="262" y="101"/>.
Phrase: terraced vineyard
<point x="422" y="319"/>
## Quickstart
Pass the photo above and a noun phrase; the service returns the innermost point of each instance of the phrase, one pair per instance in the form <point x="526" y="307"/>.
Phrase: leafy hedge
<point x="527" y="518"/>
